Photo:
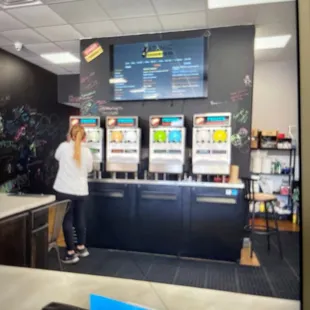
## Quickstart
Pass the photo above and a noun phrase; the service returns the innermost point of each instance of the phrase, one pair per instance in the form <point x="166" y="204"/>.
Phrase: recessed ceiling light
<point x="12" y="4"/>
<point x="217" y="4"/>
<point x="272" y="42"/>
<point x="60" y="58"/>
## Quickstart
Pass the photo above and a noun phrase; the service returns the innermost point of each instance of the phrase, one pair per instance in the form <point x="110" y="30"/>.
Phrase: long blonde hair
<point x="77" y="134"/>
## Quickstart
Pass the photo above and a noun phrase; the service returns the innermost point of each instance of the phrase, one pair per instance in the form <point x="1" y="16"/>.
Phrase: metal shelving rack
<point x="291" y="174"/>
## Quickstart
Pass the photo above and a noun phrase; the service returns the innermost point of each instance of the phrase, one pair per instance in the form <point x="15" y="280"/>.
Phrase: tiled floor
<point x="245" y="260"/>
<point x="275" y="277"/>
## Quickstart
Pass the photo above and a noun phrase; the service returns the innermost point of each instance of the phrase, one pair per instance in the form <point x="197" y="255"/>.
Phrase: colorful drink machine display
<point x="94" y="136"/>
<point x="167" y="144"/>
<point x="211" y="143"/>
<point x="123" y="144"/>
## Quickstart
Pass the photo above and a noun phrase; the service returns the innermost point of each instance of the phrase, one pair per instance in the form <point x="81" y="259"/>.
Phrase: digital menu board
<point x="168" y="69"/>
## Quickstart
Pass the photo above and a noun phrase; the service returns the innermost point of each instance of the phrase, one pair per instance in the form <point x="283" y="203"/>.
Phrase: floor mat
<point x="274" y="278"/>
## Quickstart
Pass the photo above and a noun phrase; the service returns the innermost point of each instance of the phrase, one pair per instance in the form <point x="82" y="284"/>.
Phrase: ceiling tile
<point x="235" y="16"/>
<point x="98" y="29"/>
<point x="39" y="61"/>
<point x="59" y="33"/>
<point x="139" y="25"/>
<point x="26" y="36"/>
<point x="276" y="13"/>
<point x="70" y="46"/>
<point x="44" y="48"/>
<point x="7" y="22"/>
<point x="4" y="41"/>
<point x="186" y="21"/>
<point x="80" y="11"/>
<point x="37" y="16"/>
<point x="178" y="6"/>
<point x="127" y="8"/>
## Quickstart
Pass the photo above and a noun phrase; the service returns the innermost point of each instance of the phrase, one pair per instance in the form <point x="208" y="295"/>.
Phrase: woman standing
<point x="75" y="162"/>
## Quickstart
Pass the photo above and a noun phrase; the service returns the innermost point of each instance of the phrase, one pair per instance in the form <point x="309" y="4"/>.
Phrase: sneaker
<point x="82" y="253"/>
<point x="71" y="259"/>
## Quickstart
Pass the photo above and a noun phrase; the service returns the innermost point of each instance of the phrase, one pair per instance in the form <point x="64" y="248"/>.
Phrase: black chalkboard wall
<point x="230" y="66"/>
<point x="32" y="124"/>
<point x="68" y="88"/>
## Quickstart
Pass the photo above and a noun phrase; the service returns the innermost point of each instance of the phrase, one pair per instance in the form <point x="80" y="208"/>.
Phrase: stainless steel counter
<point x="170" y="183"/>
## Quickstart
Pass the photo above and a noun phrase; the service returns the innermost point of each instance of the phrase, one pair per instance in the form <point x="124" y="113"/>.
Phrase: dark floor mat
<point x="253" y="281"/>
<point x="275" y="278"/>
<point x="191" y="273"/>
<point x="163" y="272"/>
<point x="221" y="276"/>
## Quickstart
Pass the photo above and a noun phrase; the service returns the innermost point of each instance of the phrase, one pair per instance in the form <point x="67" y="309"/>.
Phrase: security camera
<point x="18" y="46"/>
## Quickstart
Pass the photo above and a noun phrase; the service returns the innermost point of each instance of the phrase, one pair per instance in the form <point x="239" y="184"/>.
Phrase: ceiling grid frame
<point x="156" y="20"/>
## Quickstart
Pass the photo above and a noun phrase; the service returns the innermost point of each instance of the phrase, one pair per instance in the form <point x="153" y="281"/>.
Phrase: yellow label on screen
<point x="155" y="54"/>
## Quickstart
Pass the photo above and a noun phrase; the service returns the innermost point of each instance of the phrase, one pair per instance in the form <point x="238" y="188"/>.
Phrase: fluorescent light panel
<point x="60" y="58"/>
<point x="218" y="4"/>
<point x="264" y="43"/>
<point x="12" y="4"/>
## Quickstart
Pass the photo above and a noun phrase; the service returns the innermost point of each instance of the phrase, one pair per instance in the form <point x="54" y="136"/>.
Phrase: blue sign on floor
<point x="102" y="303"/>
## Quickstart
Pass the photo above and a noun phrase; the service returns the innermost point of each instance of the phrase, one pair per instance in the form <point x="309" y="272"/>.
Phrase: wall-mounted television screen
<point x="170" y="69"/>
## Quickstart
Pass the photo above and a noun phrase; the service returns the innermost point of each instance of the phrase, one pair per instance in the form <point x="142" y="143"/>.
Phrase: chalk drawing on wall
<point x="25" y="133"/>
<point x="4" y="100"/>
<point x="89" y="107"/>
<point x="247" y="81"/>
<point x="90" y="104"/>
<point x="242" y="116"/>
<point x="240" y="140"/>
<point x="239" y="95"/>
<point x="1" y="126"/>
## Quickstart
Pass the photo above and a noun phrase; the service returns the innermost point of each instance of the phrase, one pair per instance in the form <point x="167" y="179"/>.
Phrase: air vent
<point x="9" y="4"/>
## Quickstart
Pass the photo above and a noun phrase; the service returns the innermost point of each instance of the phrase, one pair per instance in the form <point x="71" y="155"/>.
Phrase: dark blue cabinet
<point x="109" y="216"/>
<point x="204" y="222"/>
<point x="159" y="218"/>
<point x="215" y="224"/>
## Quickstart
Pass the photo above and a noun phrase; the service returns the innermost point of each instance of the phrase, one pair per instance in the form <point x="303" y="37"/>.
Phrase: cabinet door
<point x="215" y="225"/>
<point x="39" y="246"/>
<point x="109" y="217"/>
<point x="159" y="219"/>
<point x="39" y="238"/>
<point x="13" y="240"/>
